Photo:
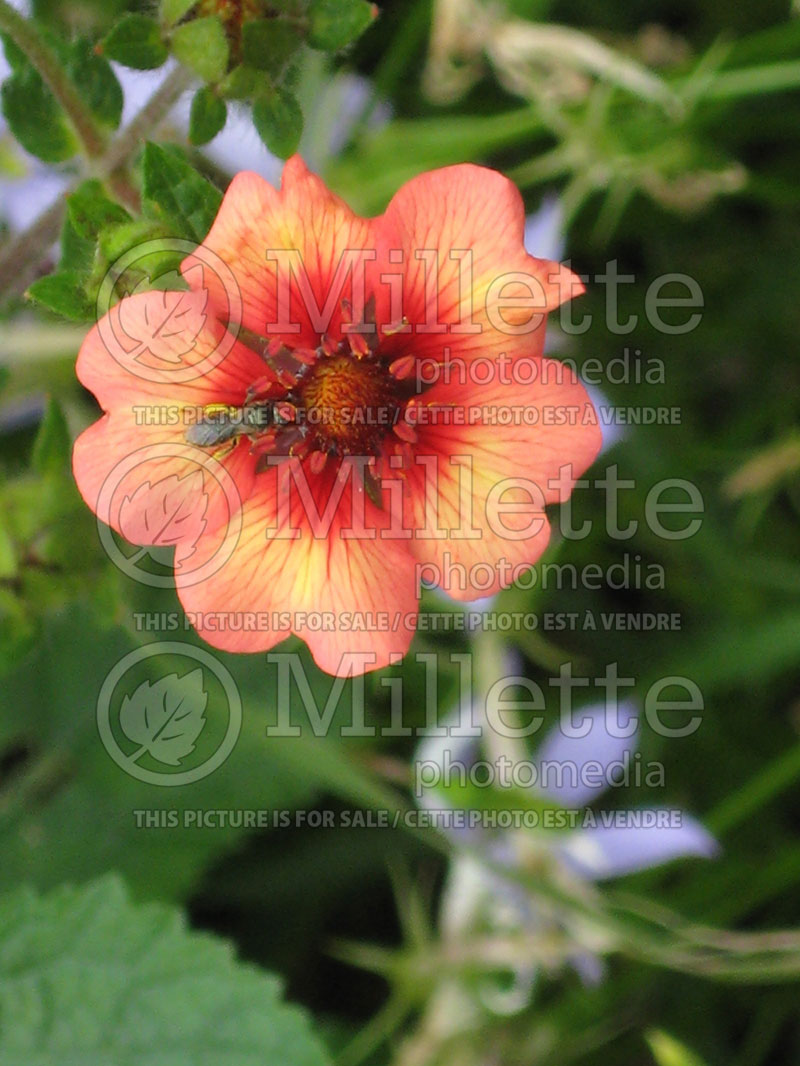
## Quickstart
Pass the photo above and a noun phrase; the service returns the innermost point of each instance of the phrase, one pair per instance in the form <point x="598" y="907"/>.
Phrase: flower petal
<point x="343" y="595"/>
<point x="304" y="219"/>
<point x="164" y="347"/>
<point x="153" y="362"/>
<point x="117" y="462"/>
<point x="465" y="462"/>
<point x="459" y="232"/>
<point x="562" y="760"/>
<point x="600" y="852"/>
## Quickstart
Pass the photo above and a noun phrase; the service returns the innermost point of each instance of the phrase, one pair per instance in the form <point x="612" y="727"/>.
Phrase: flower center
<point x="348" y="403"/>
<point x="336" y="400"/>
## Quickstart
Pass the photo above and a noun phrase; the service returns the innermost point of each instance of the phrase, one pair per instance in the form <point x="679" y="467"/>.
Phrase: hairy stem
<point x="145" y="122"/>
<point x="20" y="259"/>
<point x="26" y="37"/>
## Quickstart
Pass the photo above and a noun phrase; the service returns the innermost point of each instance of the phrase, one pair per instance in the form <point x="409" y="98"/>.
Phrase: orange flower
<point x="367" y="403"/>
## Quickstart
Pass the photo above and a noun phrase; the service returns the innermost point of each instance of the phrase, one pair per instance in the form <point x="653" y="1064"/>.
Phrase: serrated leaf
<point x="90" y="210"/>
<point x="77" y="251"/>
<point x="202" y="46"/>
<point x="207" y="116"/>
<point x="334" y="24"/>
<point x="31" y="110"/>
<point x="174" y="192"/>
<point x="279" y="122"/>
<point x="53" y="446"/>
<point x="269" y="44"/>
<point x="89" y="978"/>
<point x="136" y="41"/>
<point x="166" y="717"/>
<point x="63" y="293"/>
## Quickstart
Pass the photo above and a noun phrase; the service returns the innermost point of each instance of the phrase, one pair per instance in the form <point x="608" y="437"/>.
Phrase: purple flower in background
<point x="544" y="230"/>
<point x="612" y="848"/>
<point x="572" y="771"/>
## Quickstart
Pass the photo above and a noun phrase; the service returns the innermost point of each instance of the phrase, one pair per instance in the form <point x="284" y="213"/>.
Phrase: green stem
<point x="20" y="259"/>
<point x="145" y="122"/>
<point x="553" y="164"/>
<point x="376" y="1032"/>
<point x="26" y="37"/>
<point x="769" y="782"/>
<point x="774" y="77"/>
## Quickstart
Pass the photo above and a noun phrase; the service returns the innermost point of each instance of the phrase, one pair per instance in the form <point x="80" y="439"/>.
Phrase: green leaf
<point x="63" y="293"/>
<point x="279" y="121"/>
<point x="90" y="210"/>
<point x="77" y="251"/>
<point x="147" y="269"/>
<point x="242" y="83"/>
<point x="116" y="240"/>
<point x="136" y="41"/>
<point x="70" y="814"/>
<point x="96" y="81"/>
<point x="207" y="116"/>
<point x="9" y="566"/>
<point x="202" y="45"/>
<point x="174" y="192"/>
<point x="16" y="58"/>
<point x="53" y="447"/>
<point x="269" y="44"/>
<point x="88" y="977"/>
<point x="334" y="24"/>
<point x="172" y="11"/>
<point x="667" y="1051"/>
<point x="35" y="118"/>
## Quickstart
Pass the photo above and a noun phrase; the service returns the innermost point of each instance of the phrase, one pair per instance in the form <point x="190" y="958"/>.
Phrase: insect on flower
<point x="383" y="407"/>
<point x="221" y="424"/>
<point x="301" y="425"/>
